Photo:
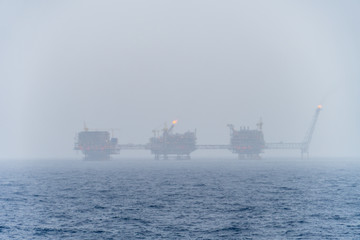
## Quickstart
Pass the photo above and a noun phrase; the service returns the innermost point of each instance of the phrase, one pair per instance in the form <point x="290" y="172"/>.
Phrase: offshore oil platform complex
<point x="246" y="143"/>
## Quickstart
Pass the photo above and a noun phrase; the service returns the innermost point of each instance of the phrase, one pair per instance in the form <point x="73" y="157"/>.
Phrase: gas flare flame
<point x="174" y="122"/>
<point x="320" y="106"/>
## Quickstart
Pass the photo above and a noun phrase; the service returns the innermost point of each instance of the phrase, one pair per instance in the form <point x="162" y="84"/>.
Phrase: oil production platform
<point x="96" y="145"/>
<point x="169" y="143"/>
<point x="245" y="142"/>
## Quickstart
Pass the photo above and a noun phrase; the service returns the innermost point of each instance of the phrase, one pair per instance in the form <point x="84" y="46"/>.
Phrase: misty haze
<point x="179" y="119"/>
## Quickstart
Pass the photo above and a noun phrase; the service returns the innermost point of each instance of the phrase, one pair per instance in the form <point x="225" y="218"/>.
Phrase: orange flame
<point x="174" y="122"/>
<point x="319" y="106"/>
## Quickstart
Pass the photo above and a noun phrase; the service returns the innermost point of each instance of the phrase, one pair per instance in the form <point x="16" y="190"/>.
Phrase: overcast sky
<point x="133" y="65"/>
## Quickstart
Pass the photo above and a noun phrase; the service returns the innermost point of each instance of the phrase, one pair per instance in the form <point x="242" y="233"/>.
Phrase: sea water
<point x="180" y="199"/>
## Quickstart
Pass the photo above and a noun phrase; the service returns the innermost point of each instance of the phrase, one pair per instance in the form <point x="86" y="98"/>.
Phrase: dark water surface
<point x="180" y="199"/>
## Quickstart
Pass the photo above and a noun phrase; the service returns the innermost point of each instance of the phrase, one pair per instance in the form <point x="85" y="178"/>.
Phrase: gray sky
<point x="132" y="65"/>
